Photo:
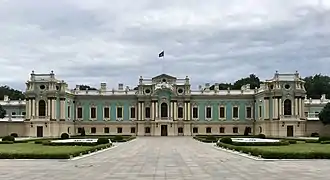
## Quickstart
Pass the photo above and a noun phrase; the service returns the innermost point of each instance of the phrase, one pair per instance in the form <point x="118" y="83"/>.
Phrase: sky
<point x="94" y="41"/>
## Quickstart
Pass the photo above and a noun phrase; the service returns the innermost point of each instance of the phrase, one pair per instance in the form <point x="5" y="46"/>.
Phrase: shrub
<point x="324" y="138"/>
<point x="118" y="138"/>
<point x="311" y="141"/>
<point x="261" y="136"/>
<point x="280" y="143"/>
<point x="102" y="141"/>
<point x="40" y="141"/>
<point x="14" y="134"/>
<point x="65" y="136"/>
<point x="325" y="142"/>
<point x="6" y="142"/>
<point x="211" y="138"/>
<point x="226" y="140"/>
<point x="292" y="141"/>
<point x="315" y="134"/>
<point x="8" y="138"/>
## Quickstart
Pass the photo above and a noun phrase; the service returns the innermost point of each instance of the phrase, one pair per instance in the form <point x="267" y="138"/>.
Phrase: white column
<point x="157" y="110"/>
<point x="62" y="109"/>
<point x="172" y="109"/>
<point x="296" y="106"/>
<point x="302" y="107"/>
<point x="152" y="111"/>
<point x="266" y="108"/>
<point x="280" y="106"/>
<point x="142" y="111"/>
<point x="139" y="111"/>
<point x="48" y="108"/>
<point x="188" y="109"/>
<point x="185" y="111"/>
<point x="175" y="109"/>
<point x="28" y="109"/>
<point x="33" y="107"/>
<point x="37" y="108"/>
<point x="53" y="108"/>
<point x="276" y="108"/>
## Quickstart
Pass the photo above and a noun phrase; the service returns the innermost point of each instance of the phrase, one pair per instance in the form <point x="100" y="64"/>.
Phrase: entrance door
<point x="163" y="130"/>
<point x="40" y="131"/>
<point x="289" y="130"/>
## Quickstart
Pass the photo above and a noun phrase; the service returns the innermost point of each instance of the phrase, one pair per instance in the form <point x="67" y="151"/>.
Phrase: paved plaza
<point x="148" y="158"/>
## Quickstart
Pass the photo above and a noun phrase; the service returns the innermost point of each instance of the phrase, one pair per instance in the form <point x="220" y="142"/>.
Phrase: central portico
<point x="160" y="99"/>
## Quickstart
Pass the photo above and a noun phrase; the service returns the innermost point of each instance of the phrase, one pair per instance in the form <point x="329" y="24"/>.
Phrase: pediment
<point x="164" y="76"/>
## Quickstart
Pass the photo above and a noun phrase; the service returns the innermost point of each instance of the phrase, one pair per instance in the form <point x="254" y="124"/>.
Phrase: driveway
<point x="163" y="158"/>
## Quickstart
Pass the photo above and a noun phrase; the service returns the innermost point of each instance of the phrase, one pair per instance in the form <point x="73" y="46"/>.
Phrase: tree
<point x="324" y="115"/>
<point x="86" y="87"/>
<point x="11" y="93"/>
<point x="253" y="80"/>
<point x="317" y="85"/>
<point x="2" y="112"/>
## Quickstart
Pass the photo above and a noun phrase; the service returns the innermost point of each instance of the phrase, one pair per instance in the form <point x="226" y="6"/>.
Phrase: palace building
<point x="163" y="106"/>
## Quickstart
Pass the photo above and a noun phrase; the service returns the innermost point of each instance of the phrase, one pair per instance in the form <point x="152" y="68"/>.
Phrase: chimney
<point x="6" y="98"/>
<point x="120" y="86"/>
<point x="103" y="86"/>
<point x="207" y="86"/>
<point x="216" y="87"/>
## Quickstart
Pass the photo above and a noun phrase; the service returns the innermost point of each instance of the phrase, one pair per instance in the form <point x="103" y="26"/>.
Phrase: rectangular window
<point x="93" y="112"/>
<point x="248" y="112"/>
<point x="222" y="112"/>
<point x="180" y="130"/>
<point x="147" y="109"/>
<point x="79" y="113"/>
<point x="119" y="112"/>
<point x="147" y="130"/>
<point x="195" y="130"/>
<point x="79" y="130"/>
<point x="69" y="111"/>
<point x="106" y="112"/>
<point x="208" y="112"/>
<point x="132" y="112"/>
<point x="208" y="130"/>
<point x="119" y="130"/>
<point x="106" y="130"/>
<point x="195" y="112"/>
<point x="222" y="130"/>
<point x="180" y="112"/>
<point x="235" y="112"/>
<point x="235" y="129"/>
<point x="93" y="130"/>
<point x="260" y="111"/>
<point x="132" y="130"/>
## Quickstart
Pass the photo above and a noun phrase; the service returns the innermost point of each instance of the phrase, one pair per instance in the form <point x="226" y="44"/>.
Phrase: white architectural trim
<point x="246" y="107"/>
<point x="130" y="112"/>
<point x="82" y="113"/>
<point x="225" y="114"/>
<point x="122" y="113"/>
<point x="232" y="114"/>
<point x="108" y="118"/>
<point x="205" y="113"/>
<point x="192" y="110"/>
<point x="90" y="113"/>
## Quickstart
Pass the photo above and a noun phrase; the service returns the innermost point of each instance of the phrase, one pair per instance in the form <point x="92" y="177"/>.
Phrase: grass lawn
<point x="31" y="148"/>
<point x="300" y="147"/>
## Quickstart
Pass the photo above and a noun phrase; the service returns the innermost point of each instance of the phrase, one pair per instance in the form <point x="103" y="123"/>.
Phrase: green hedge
<point x="206" y="140"/>
<point x="6" y="142"/>
<point x="276" y="155"/>
<point x="280" y="143"/>
<point x="51" y="155"/>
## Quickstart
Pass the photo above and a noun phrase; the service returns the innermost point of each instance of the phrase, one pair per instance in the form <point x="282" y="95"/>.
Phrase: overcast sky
<point x="93" y="41"/>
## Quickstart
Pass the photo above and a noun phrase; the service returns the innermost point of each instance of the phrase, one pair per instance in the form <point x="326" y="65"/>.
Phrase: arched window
<point x="163" y="108"/>
<point x="287" y="107"/>
<point x="42" y="108"/>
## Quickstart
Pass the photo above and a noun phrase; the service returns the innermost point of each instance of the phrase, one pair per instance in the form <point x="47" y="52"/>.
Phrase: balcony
<point x="164" y="119"/>
<point x="312" y="116"/>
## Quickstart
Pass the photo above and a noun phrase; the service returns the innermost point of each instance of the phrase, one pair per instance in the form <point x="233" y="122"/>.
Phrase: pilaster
<point x="188" y="110"/>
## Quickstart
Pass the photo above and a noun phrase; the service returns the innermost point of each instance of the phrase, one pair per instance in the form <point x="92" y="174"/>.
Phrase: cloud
<point x="96" y="41"/>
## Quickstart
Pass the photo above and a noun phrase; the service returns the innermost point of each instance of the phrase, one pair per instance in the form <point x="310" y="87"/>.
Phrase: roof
<point x="164" y="76"/>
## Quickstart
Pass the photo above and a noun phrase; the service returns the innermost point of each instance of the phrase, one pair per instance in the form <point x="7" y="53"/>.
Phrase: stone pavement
<point x="172" y="158"/>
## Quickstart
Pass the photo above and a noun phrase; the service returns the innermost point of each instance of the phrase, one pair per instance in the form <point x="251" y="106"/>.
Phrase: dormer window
<point x="164" y="80"/>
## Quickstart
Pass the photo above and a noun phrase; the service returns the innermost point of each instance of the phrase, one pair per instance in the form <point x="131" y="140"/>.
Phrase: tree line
<point x="315" y="86"/>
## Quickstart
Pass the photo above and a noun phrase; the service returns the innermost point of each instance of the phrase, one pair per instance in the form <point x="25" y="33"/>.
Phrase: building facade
<point x="163" y="106"/>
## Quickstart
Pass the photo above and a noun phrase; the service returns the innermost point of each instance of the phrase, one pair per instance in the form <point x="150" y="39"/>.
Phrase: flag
<point x="161" y="54"/>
